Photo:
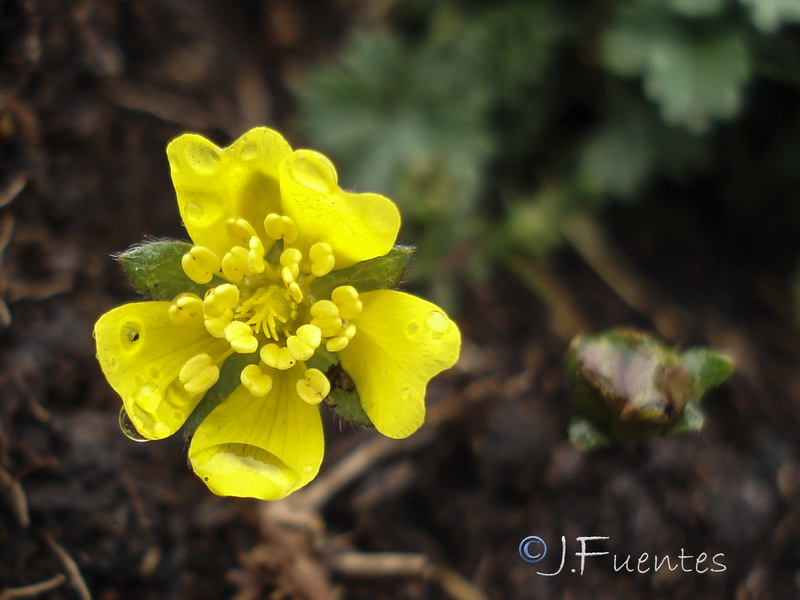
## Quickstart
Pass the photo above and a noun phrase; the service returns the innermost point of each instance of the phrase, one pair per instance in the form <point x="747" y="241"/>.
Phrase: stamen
<point x="200" y="264"/>
<point x="235" y="264"/>
<point x="322" y="260"/>
<point x="220" y="299"/>
<point x="346" y="298"/>
<point x="198" y="374"/>
<point x="276" y="357"/>
<point x="216" y="326"/>
<point x="304" y="342"/>
<point x="257" y="383"/>
<point x="255" y="258"/>
<point x="241" y="337"/>
<point x="339" y="342"/>
<point x="240" y="231"/>
<point x="290" y="261"/>
<point x="185" y="309"/>
<point x="313" y="387"/>
<point x="325" y="315"/>
<point x="280" y="226"/>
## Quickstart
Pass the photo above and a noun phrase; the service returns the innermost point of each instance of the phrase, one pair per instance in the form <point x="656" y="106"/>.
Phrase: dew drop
<point x="437" y="323"/>
<point x="405" y="394"/>
<point x="126" y="425"/>
<point x="94" y="333"/>
<point x="204" y="159"/>
<point x="112" y="362"/>
<point x="412" y="329"/>
<point x="193" y="211"/>
<point x="153" y="372"/>
<point x="250" y="151"/>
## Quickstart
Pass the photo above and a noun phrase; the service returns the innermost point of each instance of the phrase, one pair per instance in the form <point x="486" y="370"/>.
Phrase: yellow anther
<point x="291" y="257"/>
<point x="295" y="292"/>
<point x="235" y="264"/>
<point x="324" y="309"/>
<point x="255" y="258"/>
<point x="257" y="383"/>
<point x="325" y="315"/>
<point x="216" y="326"/>
<point x="277" y="357"/>
<point x="339" y="342"/>
<point x="240" y="231"/>
<point x="198" y="374"/>
<point x="304" y="342"/>
<point x="200" y="264"/>
<point x="346" y="298"/>
<point x="220" y="299"/>
<point x="314" y="386"/>
<point x="322" y="261"/>
<point x="280" y="226"/>
<point x="185" y="308"/>
<point x="336" y="344"/>
<point x="241" y="337"/>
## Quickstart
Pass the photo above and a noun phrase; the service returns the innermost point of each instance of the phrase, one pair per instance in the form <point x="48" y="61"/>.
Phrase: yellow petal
<point x="216" y="184"/>
<point x="357" y="226"/>
<point x="141" y="352"/>
<point x="400" y="343"/>
<point x="260" y="447"/>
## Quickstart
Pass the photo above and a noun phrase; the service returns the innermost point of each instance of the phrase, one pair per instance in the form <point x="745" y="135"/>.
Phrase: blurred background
<point x="562" y="167"/>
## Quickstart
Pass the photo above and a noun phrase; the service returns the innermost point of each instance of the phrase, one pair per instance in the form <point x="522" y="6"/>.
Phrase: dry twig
<point x="34" y="589"/>
<point x="71" y="567"/>
<point x="16" y="495"/>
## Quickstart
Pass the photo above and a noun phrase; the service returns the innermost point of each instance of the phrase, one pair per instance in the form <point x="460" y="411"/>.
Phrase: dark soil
<point x="90" y="92"/>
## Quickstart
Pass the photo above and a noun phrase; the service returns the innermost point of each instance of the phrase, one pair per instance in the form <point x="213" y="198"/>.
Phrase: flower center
<point x="265" y="307"/>
<point x="270" y="309"/>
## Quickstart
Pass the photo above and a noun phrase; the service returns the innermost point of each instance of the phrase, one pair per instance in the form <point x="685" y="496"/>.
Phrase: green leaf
<point x="154" y="269"/>
<point x="769" y="15"/>
<point x="229" y="380"/>
<point x="695" y="74"/>
<point x="378" y="273"/>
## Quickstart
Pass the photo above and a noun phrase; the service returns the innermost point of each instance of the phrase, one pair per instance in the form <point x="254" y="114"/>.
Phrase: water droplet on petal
<point x="314" y="171"/>
<point x="412" y="329"/>
<point x="438" y="324"/>
<point x="193" y="211"/>
<point x="126" y="425"/>
<point x="405" y="394"/>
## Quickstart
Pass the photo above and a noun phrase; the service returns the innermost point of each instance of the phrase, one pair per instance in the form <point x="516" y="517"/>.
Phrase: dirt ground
<point x="90" y="92"/>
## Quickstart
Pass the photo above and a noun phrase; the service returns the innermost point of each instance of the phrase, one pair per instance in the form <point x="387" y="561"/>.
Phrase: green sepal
<point x="154" y="269"/>
<point x="629" y="386"/>
<point x="229" y="380"/>
<point x="343" y="398"/>
<point x="383" y="272"/>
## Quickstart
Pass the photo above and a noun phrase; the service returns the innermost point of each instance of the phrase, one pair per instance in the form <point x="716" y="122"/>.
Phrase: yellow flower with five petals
<point x="278" y="275"/>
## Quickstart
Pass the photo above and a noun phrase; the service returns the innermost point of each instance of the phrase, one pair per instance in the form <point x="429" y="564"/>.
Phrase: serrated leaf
<point x="383" y="272"/>
<point x="229" y="380"/>
<point x="769" y="15"/>
<point x="696" y="75"/>
<point x="154" y="269"/>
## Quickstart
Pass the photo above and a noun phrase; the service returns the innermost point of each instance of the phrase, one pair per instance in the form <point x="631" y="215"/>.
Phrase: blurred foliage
<point x="492" y="123"/>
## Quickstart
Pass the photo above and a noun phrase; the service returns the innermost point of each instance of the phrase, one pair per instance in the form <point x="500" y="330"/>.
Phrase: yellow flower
<point x="268" y="226"/>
